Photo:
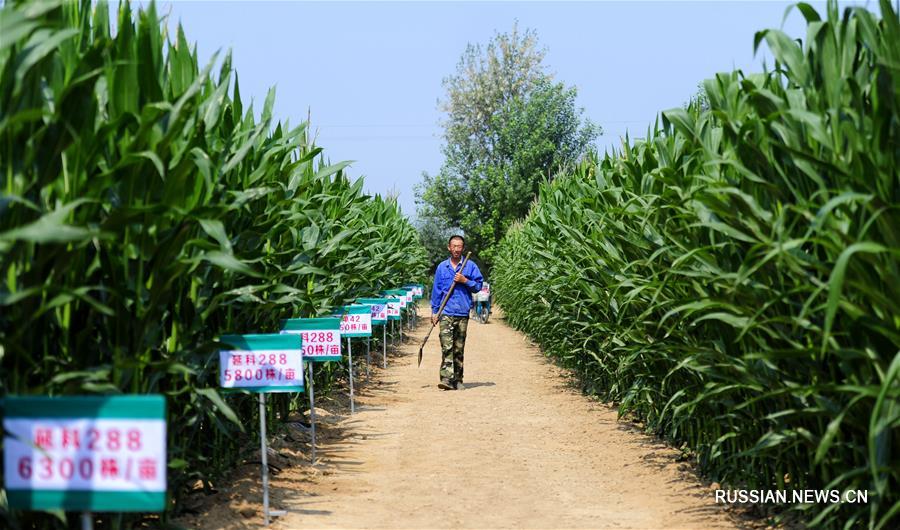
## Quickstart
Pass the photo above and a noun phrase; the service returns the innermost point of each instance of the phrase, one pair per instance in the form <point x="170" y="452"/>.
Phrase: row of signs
<point x="108" y="453"/>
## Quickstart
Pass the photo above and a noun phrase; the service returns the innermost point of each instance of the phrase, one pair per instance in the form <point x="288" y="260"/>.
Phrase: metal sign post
<point x="350" y="364"/>
<point x="264" y="459"/>
<point x="321" y="343"/>
<point x="399" y="295"/>
<point x="263" y="363"/>
<point x="312" y="413"/>
<point x="410" y="308"/>
<point x="393" y="314"/>
<point x="356" y="321"/>
<point x="368" y="355"/>
<point x="264" y="456"/>
<point x="411" y="303"/>
<point x="380" y="317"/>
<point x="416" y="291"/>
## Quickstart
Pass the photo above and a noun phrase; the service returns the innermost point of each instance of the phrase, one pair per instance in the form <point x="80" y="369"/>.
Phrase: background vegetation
<point x="145" y="211"/>
<point x="733" y="280"/>
<point x="509" y="128"/>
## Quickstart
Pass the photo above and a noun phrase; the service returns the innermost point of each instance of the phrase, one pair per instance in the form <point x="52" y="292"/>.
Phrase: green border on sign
<point x="85" y="500"/>
<point x="401" y="293"/>
<point x="151" y="407"/>
<point x="393" y="301"/>
<point x="315" y="324"/>
<point x="263" y="389"/>
<point x="267" y="341"/>
<point x="374" y="301"/>
<point x="307" y="324"/>
<point x="413" y="287"/>
<point x="322" y="358"/>
<point x="397" y="294"/>
<point x="356" y="309"/>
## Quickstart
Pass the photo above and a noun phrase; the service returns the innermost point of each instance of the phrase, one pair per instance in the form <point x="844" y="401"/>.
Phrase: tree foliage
<point x="145" y="211"/>
<point x="509" y="127"/>
<point x="733" y="279"/>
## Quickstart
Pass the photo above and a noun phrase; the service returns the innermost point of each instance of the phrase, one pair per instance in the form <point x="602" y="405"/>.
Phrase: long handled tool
<point x="441" y="309"/>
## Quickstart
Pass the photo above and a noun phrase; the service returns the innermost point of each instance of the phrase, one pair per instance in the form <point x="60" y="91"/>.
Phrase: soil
<point x="518" y="447"/>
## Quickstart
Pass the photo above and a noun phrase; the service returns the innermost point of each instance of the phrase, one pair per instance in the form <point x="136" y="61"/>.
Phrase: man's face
<point x="456" y="248"/>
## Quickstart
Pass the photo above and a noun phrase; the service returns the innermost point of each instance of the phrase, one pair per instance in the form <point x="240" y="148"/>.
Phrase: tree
<point x="434" y="235"/>
<point x="509" y="127"/>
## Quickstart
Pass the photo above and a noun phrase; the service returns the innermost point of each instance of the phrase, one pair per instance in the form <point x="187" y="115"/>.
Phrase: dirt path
<point x="518" y="448"/>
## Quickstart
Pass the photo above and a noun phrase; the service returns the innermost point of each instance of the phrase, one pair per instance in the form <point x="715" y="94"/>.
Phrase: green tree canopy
<point x="509" y="127"/>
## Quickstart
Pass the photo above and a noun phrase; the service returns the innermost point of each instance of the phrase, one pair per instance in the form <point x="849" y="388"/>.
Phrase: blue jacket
<point x="460" y="301"/>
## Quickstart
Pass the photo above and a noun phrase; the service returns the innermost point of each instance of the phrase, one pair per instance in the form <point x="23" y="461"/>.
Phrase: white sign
<point x="393" y="309"/>
<point x="359" y="323"/>
<point x="324" y="343"/>
<point x="379" y="311"/>
<point x="109" y="454"/>
<point x="259" y="368"/>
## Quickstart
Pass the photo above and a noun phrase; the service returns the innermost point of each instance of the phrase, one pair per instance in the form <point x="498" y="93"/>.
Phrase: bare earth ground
<point x="518" y="448"/>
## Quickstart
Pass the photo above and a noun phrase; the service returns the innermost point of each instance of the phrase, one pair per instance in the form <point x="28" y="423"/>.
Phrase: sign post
<point x="379" y="318"/>
<point x="407" y="297"/>
<point x="416" y="292"/>
<point x="85" y="453"/>
<point x="356" y="321"/>
<point x="262" y="363"/>
<point x="400" y="295"/>
<point x="321" y="343"/>
<point x="393" y="314"/>
<point x="411" y="311"/>
<point x="264" y="454"/>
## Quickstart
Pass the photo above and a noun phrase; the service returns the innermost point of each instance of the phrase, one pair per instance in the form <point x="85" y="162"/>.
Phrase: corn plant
<point x="144" y="212"/>
<point x="733" y="280"/>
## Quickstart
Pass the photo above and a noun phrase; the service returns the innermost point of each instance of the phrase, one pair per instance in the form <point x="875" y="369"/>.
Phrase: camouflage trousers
<point x="453" y="343"/>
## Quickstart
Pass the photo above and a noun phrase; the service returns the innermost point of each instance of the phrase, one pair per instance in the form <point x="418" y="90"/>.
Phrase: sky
<point x="370" y="73"/>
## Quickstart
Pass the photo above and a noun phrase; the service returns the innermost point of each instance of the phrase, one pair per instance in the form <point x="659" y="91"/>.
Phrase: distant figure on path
<point x="482" y="300"/>
<point x="455" y="318"/>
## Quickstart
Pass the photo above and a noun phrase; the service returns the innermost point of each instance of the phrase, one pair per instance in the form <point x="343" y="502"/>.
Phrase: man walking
<point x="455" y="318"/>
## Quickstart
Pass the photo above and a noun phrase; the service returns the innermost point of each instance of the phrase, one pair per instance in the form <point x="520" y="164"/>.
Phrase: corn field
<point x="145" y="210"/>
<point x="733" y="280"/>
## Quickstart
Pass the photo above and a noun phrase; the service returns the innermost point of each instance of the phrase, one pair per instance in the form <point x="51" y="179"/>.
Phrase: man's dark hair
<point x="461" y="238"/>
